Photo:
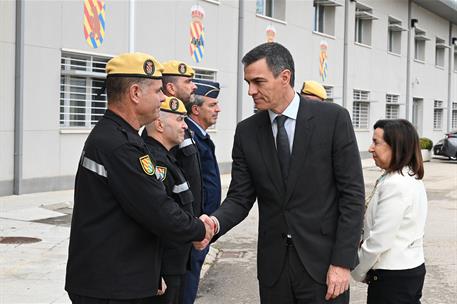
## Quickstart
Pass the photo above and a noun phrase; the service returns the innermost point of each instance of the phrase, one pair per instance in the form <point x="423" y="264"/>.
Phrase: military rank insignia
<point x="161" y="173"/>
<point x="147" y="165"/>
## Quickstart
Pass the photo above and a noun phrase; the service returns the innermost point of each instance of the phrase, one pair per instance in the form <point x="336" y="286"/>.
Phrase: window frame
<point x="392" y="106"/>
<point x="438" y="112"/>
<point x="363" y="28"/>
<point x="360" y="99"/>
<point x="88" y="73"/>
<point x="420" y="40"/>
<point x="394" y="35"/>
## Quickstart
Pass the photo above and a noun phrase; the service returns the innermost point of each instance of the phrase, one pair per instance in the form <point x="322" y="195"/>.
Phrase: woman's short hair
<point x="402" y="138"/>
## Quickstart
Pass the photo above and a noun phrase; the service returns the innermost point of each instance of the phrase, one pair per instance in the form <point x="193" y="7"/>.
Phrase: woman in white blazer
<point x="391" y="252"/>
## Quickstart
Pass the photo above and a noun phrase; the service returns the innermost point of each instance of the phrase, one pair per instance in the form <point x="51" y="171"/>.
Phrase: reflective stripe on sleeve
<point x="89" y="164"/>
<point x="180" y="188"/>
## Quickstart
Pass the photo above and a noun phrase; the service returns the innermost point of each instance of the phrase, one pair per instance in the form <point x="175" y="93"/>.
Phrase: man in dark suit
<point x="203" y="111"/>
<point x="300" y="160"/>
<point x="121" y="209"/>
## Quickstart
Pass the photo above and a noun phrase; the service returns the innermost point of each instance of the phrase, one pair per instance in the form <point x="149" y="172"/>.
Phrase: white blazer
<point x="393" y="225"/>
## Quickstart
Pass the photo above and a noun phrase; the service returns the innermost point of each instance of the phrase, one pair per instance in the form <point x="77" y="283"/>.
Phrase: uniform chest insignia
<point x="161" y="173"/>
<point x="147" y="165"/>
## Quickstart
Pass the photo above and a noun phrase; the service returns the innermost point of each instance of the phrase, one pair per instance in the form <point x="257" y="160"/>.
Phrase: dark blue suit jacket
<point x="209" y="169"/>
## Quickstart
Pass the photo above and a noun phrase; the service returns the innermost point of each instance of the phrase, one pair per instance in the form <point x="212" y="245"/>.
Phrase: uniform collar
<point x="197" y="129"/>
<point x="157" y="145"/>
<point x="120" y="121"/>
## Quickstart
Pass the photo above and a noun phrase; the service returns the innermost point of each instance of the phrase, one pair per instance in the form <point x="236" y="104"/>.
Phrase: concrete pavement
<point x="35" y="272"/>
<point x="232" y="279"/>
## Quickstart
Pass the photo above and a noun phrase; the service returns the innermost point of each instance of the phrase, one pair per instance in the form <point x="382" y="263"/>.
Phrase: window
<point x="206" y="74"/>
<point x="392" y="106"/>
<point x="440" y="46"/>
<point x="329" y="91"/>
<point x="272" y="8"/>
<point x="324" y="16"/>
<point x="394" y="35"/>
<point x="438" y="115"/>
<point x="419" y="45"/>
<point x="363" y="21"/>
<point x="360" y="109"/>
<point x="454" y="116"/>
<point x="82" y="94"/>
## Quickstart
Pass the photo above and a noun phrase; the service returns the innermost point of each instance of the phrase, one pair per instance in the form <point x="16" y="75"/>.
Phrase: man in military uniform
<point x="160" y="137"/>
<point x="120" y="207"/>
<point x="178" y="82"/>
<point x="202" y="113"/>
<point x="313" y="90"/>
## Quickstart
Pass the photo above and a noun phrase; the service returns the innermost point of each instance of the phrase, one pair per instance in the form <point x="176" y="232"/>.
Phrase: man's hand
<point x="163" y="286"/>
<point x="210" y="227"/>
<point x="337" y="281"/>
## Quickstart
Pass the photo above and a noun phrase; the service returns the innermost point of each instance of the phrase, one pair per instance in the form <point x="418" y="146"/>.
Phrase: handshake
<point x="211" y="227"/>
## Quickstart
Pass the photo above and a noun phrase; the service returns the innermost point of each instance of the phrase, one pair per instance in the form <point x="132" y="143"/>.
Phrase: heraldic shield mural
<point x="94" y="22"/>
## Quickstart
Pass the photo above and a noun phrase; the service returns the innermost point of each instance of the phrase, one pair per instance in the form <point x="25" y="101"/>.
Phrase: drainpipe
<point x="345" y="53"/>
<point x="18" y="97"/>
<point x="240" y="69"/>
<point x="408" y="66"/>
<point x="449" y="81"/>
<point x="131" y="26"/>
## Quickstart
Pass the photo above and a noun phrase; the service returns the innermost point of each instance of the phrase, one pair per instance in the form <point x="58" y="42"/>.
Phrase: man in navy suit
<point x="202" y="113"/>
<point x="299" y="159"/>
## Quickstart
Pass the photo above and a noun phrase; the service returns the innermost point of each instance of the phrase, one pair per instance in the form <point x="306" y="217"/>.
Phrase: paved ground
<point x="232" y="279"/>
<point x="34" y="272"/>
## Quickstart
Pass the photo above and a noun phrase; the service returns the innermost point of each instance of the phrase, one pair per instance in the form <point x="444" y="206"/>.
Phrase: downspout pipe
<point x="131" y="26"/>
<point x="449" y="80"/>
<point x="345" y="53"/>
<point x="18" y="97"/>
<point x="240" y="70"/>
<point x="408" y="109"/>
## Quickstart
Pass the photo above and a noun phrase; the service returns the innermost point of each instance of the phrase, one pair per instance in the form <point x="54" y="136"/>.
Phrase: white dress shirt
<point x="393" y="226"/>
<point x="291" y="112"/>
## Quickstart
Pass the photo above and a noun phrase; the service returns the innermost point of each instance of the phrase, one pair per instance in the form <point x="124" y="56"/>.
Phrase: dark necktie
<point x="282" y="146"/>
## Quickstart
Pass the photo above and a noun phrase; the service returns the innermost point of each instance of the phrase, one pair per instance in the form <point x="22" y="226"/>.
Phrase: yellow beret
<point x="173" y="105"/>
<point x="312" y="87"/>
<point x="177" y="68"/>
<point x="134" y="65"/>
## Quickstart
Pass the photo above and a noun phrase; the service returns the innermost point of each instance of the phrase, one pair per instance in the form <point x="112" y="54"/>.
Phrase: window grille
<point x="438" y="115"/>
<point x="82" y="94"/>
<point x="392" y="106"/>
<point x="329" y="91"/>
<point x="205" y="74"/>
<point x="360" y="109"/>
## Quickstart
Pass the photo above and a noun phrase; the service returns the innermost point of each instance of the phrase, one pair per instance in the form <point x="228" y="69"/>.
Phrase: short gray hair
<point x="196" y="100"/>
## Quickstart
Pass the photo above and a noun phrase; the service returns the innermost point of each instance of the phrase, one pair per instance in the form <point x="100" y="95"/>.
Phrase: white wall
<point x="7" y="55"/>
<point x="162" y="29"/>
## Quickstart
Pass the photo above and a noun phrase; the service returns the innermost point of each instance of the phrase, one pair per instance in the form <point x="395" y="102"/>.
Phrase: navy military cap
<point x="206" y="88"/>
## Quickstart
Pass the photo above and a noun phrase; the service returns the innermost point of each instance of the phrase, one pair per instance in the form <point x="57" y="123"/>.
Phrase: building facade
<point x="379" y="59"/>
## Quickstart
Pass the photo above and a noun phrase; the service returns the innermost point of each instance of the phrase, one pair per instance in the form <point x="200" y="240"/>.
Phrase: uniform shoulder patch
<point x="161" y="173"/>
<point x="147" y="165"/>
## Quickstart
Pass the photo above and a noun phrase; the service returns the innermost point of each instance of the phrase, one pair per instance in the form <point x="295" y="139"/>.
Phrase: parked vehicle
<point x="447" y="146"/>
